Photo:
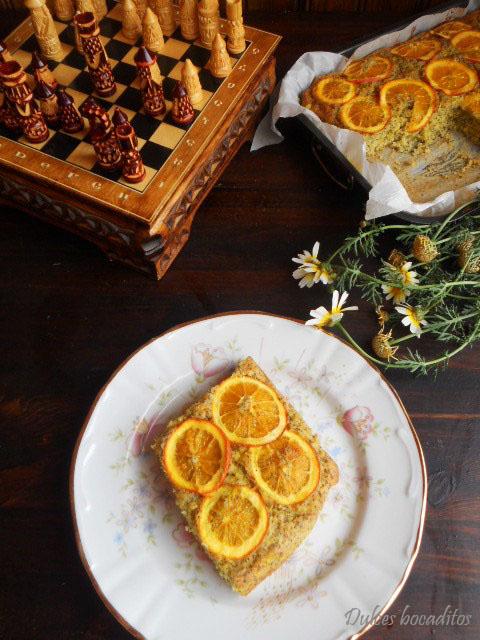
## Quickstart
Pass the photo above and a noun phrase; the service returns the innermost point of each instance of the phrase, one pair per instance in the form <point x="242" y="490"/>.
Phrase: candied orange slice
<point x="334" y="90"/>
<point x="248" y="411"/>
<point x="451" y="77"/>
<point x="471" y="103"/>
<point x="420" y="49"/>
<point x="287" y="471"/>
<point x="468" y="44"/>
<point x="371" y="69"/>
<point x="232" y="522"/>
<point x="364" y="115"/>
<point x="416" y="92"/>
<point x="449" y="29"/>
<point x="196" y="456"/>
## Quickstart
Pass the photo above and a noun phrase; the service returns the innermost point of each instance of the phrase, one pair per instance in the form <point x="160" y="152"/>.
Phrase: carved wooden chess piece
<point x="208" y="21"/>
<point x="131" y="25"/>
<point x="44" y="28"/>
<point x="41" y="71"/>
<point x="150" y="82"/>
<point x="69" y="116"/>
<point x="20" y="98"/>
<point x="182" y="110"/>
<point x="219" y="64"/>
<point x="166" y="15"/>
<point x="102" y="135"/>
<point x="192" y="83"/>
<point x="100" y="9"/>
<point x="141" y="6"/>
<point x="83" y="6"/>
<point x="235" y="30"/>
<point x="152" y="32"/>
<point x="189" y="19"/>
<point x="133" y="169"/>
<point x="48" y="101"/>
<point x="5" y="54"/>
<point x="95" y="56"/>
<point x="64" y="10"/>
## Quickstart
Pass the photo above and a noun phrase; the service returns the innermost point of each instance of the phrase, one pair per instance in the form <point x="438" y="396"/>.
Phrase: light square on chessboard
<point x="175" y="48"/>
<point x="140" y="186"/>
<point x="59" y="26"/>
<point x="81" y="135"/>
<point x="83" y="156"/>
<point x="65" y="75"/>
<point x="23" y="57"/>
<point x="38" y="145"/>
<point x="78" y="96"/>
<point x="129" y="58"/>
<point x="118" y="92"/>
<point x="167" y="135"/>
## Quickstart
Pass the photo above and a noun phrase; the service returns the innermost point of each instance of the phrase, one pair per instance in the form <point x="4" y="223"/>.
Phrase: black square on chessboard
<point x="110" y="27"/>
<point x="11" y="135"/>
<point x="117" y="50"/>
<point x="68" y="36"/>
<point x="111" y="4"/>
<point x="209" y="82"/>
<point x="145" y="126"/>
<point x="198" y="55"/>
<point x="130" y="99"/>
<point x="166" y="64"/>
<point x="154" y="155"/>
<point x="168" y="87"/>
<point x="30" y="45"/>
<point x="110" y="175"/>
<point x="124" y="73"/>
<point x="75" y="59"/>
<point x="60" y="145"/>
<point x="82" y="83"/>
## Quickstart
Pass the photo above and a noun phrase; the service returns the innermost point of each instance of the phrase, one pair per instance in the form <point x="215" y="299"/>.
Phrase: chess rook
<point x="235" y="30"/>
<point x="182" y="110"/>
<point x="64" y="10"/>
<point x="69" y="116"/>
<point x="20" y="99"/>
<point x="152" y="32"/>
<point x="189" y="19"/>
<point x="151" y="85"/>
<point x="44" y="28"/>
<point x="208" y="21"/>
<point x="48" y="101"/>
<point x="133" y="169"/>
<point x="131" y="24"/>
<point x="219" y="64"/>
<point x="95" y="56"/>
<point x="102" y="136"/>
<point x="83" y="6"/>
<point x="166" y="15"/>
<point x="192" y="83"/>
<point x="41" y="71"/>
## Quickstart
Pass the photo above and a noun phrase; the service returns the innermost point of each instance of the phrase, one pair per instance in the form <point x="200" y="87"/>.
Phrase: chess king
<point x="95" y="55"/>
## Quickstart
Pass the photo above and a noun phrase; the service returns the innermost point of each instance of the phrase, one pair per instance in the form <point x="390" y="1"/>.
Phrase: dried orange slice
<point x="449" y="29"/>
<point x="471" y="103"/>
<point x="371" y="69"/>
<point x="420" y="49"/>
<point x="232" y="522"/>
<point x="334" y="90"/>
<point x="451" y="77"/>
<point x="248" y="411"/>
<point x="196" y="456"/>
<point x="364" y="115"/>
<point x="468" y="43"/>
<point x="419" y="94"/>
<point x="287" y="470"/>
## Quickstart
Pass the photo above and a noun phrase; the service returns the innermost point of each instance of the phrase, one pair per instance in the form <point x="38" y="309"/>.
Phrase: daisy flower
<point x="321" y="317"/>
<point x="311" y="269"/>
<point x="413" y="318"/>
<point x="408" y="277"/>
<point x="397" y="294"/>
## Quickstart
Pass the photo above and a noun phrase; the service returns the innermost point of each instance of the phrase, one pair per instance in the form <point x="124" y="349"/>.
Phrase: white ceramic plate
<point x="154" y="577"/>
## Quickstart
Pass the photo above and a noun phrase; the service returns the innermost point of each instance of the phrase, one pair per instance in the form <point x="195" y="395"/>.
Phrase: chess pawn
<point x="64" y="10"/>
<point x="133" y="169"/>
<point x="182" y="110"/>
<point x="5" y="54"/>
<point x="69" y="116"/>
<point x="151" y="85"/>
<point x="100" y="9"/>
<point x="41" y="71"/>
<point x="97" y="60"/>
<point x="131" y="25"/>
<point x="44" y="29"/>
<point x="48" y="101"/>
<point x="192" y="83"/>
<point x="189" y="19"/>
<point x="219" y="64"/>
<point x="235" y="30"/>
<point x="152" y="32"/>
<point x="166" y="15"/>
<point x="208" y="21"/>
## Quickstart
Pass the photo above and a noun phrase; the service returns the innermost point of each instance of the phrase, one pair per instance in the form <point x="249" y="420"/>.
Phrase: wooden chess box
<point x="144" y="225"/>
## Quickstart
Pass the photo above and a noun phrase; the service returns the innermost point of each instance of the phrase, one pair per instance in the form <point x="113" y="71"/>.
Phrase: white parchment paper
<point x="387" y="194"/>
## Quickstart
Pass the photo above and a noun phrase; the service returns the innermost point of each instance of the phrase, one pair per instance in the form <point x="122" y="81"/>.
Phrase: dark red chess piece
<point x="41" y="70"/>
<point x="102" y="136"/>
<point x="133" y="169"/>
<point x="182" y="110"/>
<point x="48" y="101"/>
<point x="97" y="60"/>
<point x="69" y="116"/>
<point x="20" y="99"/>
<point x="5" y="55"/>
<point x="150" y="82"/>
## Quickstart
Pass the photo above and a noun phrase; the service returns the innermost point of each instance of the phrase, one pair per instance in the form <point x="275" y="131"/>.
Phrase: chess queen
<point x="95" y="55"/>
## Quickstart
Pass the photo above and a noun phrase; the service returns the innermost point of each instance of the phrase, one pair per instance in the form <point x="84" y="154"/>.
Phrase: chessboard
<point x="174" y="156"/>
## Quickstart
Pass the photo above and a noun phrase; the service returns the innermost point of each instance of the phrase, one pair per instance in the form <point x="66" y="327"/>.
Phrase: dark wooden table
<point x="68" y="318"/>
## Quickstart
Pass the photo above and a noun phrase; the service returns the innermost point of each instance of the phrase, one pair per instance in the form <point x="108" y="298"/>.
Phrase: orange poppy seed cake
<point x="417" y="105"/>
<point x="248" y="475"/>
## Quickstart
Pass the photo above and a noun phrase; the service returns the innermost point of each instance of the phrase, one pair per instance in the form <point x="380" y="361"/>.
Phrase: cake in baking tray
<point x="417" y="104"/>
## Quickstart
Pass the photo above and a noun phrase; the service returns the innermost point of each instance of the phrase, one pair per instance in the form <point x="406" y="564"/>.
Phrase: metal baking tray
<point x="331" y="160"/>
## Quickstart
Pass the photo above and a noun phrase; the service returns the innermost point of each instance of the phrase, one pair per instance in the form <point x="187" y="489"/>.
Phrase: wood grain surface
<point x="68" y="318"/>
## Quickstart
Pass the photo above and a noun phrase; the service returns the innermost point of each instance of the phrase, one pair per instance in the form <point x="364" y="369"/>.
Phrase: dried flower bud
<point x="424" y="249"/>
<point x="382" y="348"/>
<point x="396" y="258"/>
<point x="363" y="224"/>
<point x="382" y="316"/>
<point x="464" y="251"/>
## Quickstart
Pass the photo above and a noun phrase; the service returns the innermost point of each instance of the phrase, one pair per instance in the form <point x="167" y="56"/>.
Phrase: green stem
<point x="437" y="325"/>
<point x="448" y="219"/>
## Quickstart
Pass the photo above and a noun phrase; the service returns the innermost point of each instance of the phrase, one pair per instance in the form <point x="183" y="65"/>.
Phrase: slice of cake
<point x="248" y="475"/>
